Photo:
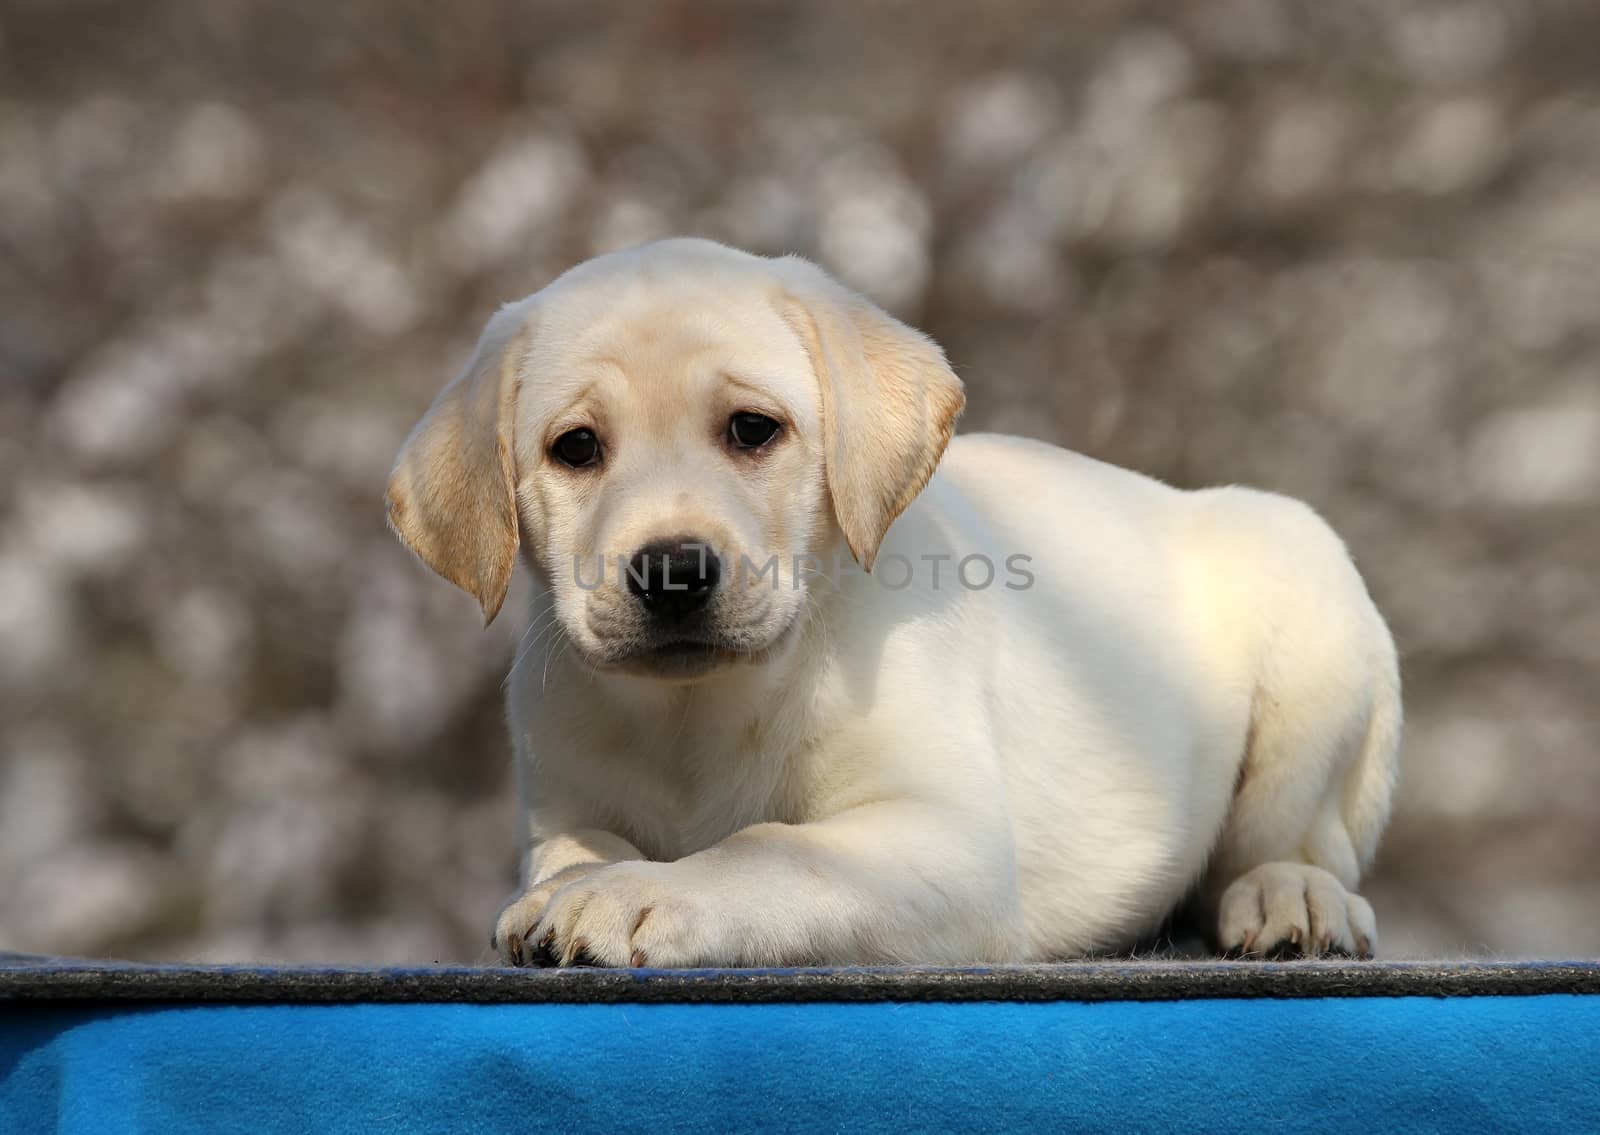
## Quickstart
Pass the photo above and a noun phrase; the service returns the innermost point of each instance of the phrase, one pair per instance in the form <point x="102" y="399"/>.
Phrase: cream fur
<point x="1195" y="697"/>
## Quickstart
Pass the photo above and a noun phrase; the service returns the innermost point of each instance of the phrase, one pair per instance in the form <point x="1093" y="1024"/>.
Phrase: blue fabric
<point x="1359" y="1064"/>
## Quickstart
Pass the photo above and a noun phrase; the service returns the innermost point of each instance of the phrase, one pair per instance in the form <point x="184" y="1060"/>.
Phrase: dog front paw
<point x="1292" y="909"/>
<point x="512" y="928"/>
<point x="633" y="914"/>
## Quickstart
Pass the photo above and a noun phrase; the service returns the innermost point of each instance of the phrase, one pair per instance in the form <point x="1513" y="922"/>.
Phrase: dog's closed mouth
<point x="683" y="647"/>
<point x="685" y="655"/>
<point x="692" y="658"/>
<point x="675" y="658"/>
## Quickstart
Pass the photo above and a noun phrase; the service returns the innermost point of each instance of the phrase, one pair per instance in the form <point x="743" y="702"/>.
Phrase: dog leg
<point x="1311" y="804"/>
<point x="881" y="883"/>
<point x="1284" y="875"/>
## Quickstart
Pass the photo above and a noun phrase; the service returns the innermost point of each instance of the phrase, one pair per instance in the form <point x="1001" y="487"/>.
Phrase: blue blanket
<point x="1324" y="1064"/>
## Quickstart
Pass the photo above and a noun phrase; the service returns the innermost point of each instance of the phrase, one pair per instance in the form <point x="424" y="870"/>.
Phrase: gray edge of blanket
<point x="34" y="978"/>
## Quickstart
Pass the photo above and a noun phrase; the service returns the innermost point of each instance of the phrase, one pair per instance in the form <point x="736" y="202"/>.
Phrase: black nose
<point x="674" y="577"/>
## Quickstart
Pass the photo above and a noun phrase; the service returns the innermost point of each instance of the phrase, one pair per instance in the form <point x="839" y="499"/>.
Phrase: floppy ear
<point x="452" y="496"/>
<point x="889" y="403"/>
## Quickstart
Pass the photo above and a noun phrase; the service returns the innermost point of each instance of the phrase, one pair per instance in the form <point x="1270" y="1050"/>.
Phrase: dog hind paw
<point x="1294" y="910"/>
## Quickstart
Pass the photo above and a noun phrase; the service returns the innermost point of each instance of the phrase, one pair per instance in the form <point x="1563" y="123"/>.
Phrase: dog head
<point x="668" y="433"/>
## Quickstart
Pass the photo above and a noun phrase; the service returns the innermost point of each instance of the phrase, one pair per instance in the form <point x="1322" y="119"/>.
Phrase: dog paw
<point x="1294" y="910"/>
<point x="631" y="914"/>
<point x="510" y="938"/>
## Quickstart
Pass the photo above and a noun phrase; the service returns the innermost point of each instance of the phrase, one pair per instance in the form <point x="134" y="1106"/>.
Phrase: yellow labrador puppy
<point x="810" y="682"/>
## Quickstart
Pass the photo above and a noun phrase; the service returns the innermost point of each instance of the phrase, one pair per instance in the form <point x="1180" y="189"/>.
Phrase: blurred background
<point x="1347" y="251"/>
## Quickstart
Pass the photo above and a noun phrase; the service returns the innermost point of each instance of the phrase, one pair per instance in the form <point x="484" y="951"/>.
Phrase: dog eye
<point x="577" y="448"/>
<point x="751" y="431"/>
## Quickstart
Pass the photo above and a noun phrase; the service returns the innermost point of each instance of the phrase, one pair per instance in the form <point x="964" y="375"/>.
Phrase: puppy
<point x="807" y="682"/>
